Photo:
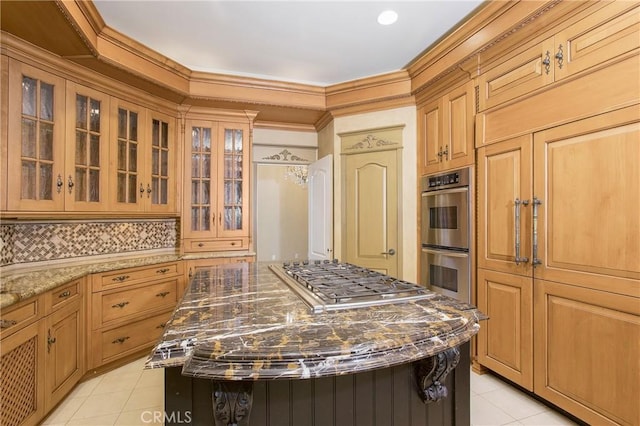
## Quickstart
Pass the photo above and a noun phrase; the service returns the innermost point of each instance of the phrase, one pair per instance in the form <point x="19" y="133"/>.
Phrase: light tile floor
<point x="132" y="396"/>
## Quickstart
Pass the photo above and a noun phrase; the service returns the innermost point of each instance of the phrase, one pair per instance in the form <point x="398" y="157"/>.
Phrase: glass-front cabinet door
<point x="216" y="186"/>
<point x="35" y="140"/>
<point x="231" y="201"/>
<point x="127" y="134"/>
<point x="87" y="152"/>
<point x="159" y="180"/>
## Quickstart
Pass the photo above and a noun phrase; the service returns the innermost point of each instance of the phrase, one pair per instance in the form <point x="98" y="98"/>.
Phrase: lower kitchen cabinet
<point x="42" y="353"/>
<point x="22" y="361"/>
<point x="505" y="340"/>
<point x="587" y="352"/>
<point x="129" y="308"/>
<point x="65" y="340"/>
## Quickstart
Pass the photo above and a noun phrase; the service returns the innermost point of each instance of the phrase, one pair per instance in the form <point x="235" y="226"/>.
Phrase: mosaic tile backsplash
<point x="24" y="242"/>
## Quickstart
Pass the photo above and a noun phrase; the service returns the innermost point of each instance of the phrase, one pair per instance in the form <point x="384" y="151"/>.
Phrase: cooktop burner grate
<point x="333" y="285"/>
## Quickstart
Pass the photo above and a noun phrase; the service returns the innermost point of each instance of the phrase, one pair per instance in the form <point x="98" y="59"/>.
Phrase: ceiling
<point x="313" y="42"/>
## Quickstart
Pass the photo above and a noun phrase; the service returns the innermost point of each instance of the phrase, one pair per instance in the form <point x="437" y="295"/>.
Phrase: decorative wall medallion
<point x="285" y="155"/>
<point x="369" y="142"/>
<point x="432" y="372"/>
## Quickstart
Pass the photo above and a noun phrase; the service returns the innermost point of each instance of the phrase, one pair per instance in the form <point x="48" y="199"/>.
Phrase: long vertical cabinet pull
<point x="536" y="203"/>
<point x="517" y="204"/>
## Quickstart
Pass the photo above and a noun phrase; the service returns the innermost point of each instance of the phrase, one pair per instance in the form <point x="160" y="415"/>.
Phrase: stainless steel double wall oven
<point x="446" y="233"/>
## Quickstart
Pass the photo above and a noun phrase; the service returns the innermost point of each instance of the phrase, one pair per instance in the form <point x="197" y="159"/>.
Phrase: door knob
<point x="391" y="252"/>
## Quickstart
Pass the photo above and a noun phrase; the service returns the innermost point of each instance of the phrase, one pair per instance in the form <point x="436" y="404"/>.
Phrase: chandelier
<point x="298" y="174"/>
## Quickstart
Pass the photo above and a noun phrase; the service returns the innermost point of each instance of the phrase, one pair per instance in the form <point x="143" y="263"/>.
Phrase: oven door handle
<point x="449" y="253"/>
<point x="445" y="191"/>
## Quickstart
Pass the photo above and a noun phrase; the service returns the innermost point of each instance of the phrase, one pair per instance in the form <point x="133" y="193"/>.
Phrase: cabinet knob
<point x="547" y="62"/>
<point x="148" y="191"/>
<point x="121" y="340"/>
<point x="64" y="294"/>
<point x="7" y="323"/>
<point x="162" y="294"/>
<point x="163" y="271"/>
<point x="120" y="305"/>
<point x="560" y="56"/>
<point x="141" y="190"/>
<point x="163" y="325"/>
<point x="59" y="184"/>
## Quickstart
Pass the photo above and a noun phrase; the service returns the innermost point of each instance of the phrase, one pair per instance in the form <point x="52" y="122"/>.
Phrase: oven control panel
<point x="454" y="178"/>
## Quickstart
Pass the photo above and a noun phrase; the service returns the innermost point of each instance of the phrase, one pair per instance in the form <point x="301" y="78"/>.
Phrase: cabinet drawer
<point x="129" y="338"/>
<point x="18" y="316"/>
<point x="126" y="277"/>
<point x="63" y="296"/>
<point x="111" y="307"/>
<point x="216" y="245"/>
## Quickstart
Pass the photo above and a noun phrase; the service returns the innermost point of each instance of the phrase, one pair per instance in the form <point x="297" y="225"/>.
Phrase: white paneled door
<point x="321" y="209"/>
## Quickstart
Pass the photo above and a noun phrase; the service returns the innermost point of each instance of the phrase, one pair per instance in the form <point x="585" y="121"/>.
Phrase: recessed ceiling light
<point x="387" y="17"/>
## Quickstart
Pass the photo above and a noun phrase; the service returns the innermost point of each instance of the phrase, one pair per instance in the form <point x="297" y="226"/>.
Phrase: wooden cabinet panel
<point x="587" y="352"/>
<point x="114" y="343"/>
<point x="504" y="176"/>
<point x="63" y="295"/>
<point x="116" y="306"/>
<point x="505" y="340"/>
<point x="605" y="34"/>
<point x="446" y="130"/>
<point x="520" y="74"/>
<point x="19" y="315"/>
<point x="588" y="180"/>
<point x="22" y="367"/>
<point x="65" y="350"/>
<point x="131" y="276"/>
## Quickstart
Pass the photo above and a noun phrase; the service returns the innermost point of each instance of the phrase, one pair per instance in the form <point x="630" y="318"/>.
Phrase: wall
<point x="407" y="202"/>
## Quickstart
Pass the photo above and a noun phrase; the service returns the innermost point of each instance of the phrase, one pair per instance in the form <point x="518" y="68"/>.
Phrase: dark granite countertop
<point x="241" y="322"/>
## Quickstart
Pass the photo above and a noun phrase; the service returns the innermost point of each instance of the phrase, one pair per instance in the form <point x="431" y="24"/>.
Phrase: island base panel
<point x="387" y="396"/>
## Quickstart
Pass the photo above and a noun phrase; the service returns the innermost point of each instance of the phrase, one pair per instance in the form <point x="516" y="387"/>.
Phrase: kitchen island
<point x="243" y="348"/>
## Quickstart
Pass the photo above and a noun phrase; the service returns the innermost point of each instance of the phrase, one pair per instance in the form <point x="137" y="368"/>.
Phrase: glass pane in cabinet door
<point x="206" y="140"/>
<point x="164" y="138"/>
<point x="80" y="186"/>
<point x="228" y="141"/>
<point x="46" y="182"/>
<point x="28" y="189"/>
<point x="164" y="163"/>
<point x="228" y="166"/>
<point x="81" y="112"/>
<point x="195" y="192"/>
<point x="155" y="162"/>
<point x="195" y="218"/>
<point x="238" y="167"/>
<point x="155" y="193"/>
<point x="28" y="138"/>
<point x="46" y="141"/>
<point x="133" y="157"/>
<point x="228" y="192"/>
<point x="238" y="193"/>
<point x="122" y="188"/>
<point x="238" y="141"/>
<point x="94" y="151"/>
<point x="206" y="165"/>
<point x="164" y="191"/>
<point x="94" y="185"/>
<point x="206" y="192"/>
<point x="196" y="139"/>
<point x="228" y="218"/>
<point x="238" y="211"/>
<point x="122" y="155"/>
<point x="155" y="133"/>
<point x="122" y="123"/>
<point x="206" y="219"/>
<point x="132" y="189"/>
<point x="46" y="102"/>
<point x="81" y="148"/>
<point x="195" y="165"/>
<point x="29" y="92"/>
<point x="133" y="126"/>
<point x="94" y="116"/>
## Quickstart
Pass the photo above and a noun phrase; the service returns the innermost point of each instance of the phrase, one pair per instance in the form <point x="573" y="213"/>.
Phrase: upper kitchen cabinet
<point x="608" y="30"/>
<point x="36" y="174"/>
<point x="216" y="186"/>
<point x="142" y="159"/>
<point x="445" y="130"/>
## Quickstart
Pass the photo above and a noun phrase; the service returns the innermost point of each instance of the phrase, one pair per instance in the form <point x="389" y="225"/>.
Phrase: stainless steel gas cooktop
<point x="326" y="286"/>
